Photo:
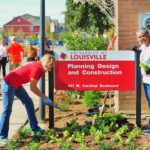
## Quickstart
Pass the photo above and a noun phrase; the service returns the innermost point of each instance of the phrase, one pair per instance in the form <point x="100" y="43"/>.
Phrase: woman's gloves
<point x="48" y="101"/>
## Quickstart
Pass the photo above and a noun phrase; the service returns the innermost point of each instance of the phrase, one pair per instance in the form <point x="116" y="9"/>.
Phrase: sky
<point x="13" y="8"/>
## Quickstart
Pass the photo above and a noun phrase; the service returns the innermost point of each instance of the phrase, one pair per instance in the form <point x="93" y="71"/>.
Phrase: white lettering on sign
<point x="73" y="72"/>
<point x="84" y="66"/>
<point x="98" y="72"/>
<point x="88" y="57"/>
<point x="108" y="66"/>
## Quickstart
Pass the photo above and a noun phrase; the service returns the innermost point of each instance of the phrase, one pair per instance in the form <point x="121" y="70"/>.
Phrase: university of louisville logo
<point x="63" y="56"/>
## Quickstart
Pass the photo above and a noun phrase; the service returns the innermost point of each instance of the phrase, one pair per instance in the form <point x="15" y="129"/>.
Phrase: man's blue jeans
<point x="8" y="93"/>
<point x="147" y="92"/>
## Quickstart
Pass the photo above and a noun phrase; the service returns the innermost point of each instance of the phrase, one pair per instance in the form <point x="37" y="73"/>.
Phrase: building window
<point x="18" y="20"/>
<point x="31" y="28"/>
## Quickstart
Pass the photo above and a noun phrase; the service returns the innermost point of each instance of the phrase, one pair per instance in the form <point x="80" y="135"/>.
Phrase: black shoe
<point x="39" y="132"/>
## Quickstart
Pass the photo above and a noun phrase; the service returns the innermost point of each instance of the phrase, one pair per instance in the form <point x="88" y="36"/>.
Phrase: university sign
<point x="95" y="70"/>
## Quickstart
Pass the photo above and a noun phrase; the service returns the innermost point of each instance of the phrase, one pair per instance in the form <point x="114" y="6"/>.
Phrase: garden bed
<point x="76" y="113"/>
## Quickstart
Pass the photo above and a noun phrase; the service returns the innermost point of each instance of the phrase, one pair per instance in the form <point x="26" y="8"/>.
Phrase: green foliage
<point x="144" y="66"/>
<point x="75" y="93"/>
<point x="24" y="132"/>
<point x="34" y="146"/>
<point x="85" y="17"/>
<point x="31" y="37"/>
<point x="83" y="146"/>
<point x="74" y="132"/>
<point x="99" y="135"/>
<point x="12" y="145"/>
<point x="133" y="135"/>
<point x="118" y="136"/>
<point x="92" y="98"/>
<point x="7" y="32"/>
<point x="93" y="130"/>
<point x="104" y="147"/>
<point x="65" y="146"/>
<point x="76" y="41"/>
<point x="132" y="146"/>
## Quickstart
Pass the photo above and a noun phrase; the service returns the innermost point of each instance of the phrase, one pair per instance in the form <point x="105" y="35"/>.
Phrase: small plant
<point x="118" y="136"/>
<point x="92" y="98"/>
<point x="12" y="145"/>
<point x="34" y="146"/>
<point x="75" y="93"/>
<point x="99" y="135"/>
<point x="105" y="147"/>
<point x="145" y="67"/>
<point x="132" y="146"/>
<point x="133" y="135"/>
<point x="83" y="146"/>
<point x="93" y="130"/>
<point x="24" y="132"/>
<point x="65" y="146"/>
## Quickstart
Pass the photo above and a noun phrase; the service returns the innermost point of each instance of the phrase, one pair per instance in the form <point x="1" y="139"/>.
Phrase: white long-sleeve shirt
<point x="145" y="58"/>
<point x="3" y="51"/>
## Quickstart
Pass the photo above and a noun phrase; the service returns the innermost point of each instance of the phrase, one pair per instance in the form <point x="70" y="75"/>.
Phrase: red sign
<point x="95" y="70"/>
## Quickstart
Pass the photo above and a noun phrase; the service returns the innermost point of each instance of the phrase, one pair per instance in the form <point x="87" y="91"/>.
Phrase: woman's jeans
<point x="8" y="93"/>
<point x="147" y="92"/>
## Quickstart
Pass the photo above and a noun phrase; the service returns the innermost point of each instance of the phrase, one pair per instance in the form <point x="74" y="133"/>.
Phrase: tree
<point x="85" y="17"/>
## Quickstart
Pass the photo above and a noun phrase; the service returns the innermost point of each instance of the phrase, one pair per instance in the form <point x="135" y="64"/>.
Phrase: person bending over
<point x="30" y="72"/>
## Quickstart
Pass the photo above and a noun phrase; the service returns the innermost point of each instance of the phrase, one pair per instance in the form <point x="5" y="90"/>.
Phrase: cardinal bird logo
<point x="63" y="56"/>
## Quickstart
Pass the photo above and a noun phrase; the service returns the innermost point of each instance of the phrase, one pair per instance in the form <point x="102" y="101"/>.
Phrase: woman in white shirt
<point x="144" y="39"/>
<point x="3" y="57"/>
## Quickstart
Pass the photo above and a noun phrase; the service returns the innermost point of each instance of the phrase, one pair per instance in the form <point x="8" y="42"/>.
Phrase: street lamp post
<point x="42" y="48"/>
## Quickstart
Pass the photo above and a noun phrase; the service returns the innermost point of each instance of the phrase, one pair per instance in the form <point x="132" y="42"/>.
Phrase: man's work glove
<point x="48" y="101"/>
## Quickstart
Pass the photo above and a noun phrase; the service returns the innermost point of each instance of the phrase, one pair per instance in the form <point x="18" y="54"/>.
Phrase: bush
<point x="92" y="98"/>
<point x="76" y="41"/>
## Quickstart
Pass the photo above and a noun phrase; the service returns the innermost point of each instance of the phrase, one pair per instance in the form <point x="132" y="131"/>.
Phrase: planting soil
<point x="76" y="112"/>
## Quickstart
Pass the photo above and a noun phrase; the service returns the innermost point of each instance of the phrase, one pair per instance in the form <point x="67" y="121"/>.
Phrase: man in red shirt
<point x="15" y="52"/>
<point x="12" y="86"/>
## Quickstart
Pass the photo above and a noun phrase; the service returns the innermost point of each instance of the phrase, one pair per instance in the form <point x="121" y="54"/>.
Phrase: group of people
<point x="14" y="53"/>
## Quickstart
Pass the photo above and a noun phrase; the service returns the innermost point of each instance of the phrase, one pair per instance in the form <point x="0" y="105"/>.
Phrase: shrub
<point x="76" y="41"/>
<point x="92" y="98"/>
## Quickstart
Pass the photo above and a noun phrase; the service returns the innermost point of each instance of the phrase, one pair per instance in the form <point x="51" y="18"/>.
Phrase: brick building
<point x="128" y="19"/>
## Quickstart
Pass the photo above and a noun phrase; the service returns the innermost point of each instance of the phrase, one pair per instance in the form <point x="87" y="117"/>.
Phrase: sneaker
<point x="3" y="142"/>
<point x="146" y="131"/>
<point x="39" y="132"/>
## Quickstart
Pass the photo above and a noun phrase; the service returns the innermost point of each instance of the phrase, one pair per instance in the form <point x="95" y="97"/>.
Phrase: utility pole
<point x="42" y="48"/>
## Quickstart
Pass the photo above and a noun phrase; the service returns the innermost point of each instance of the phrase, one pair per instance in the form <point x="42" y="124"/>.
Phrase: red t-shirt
<point x="14" y="51"/>
<point x="24" y="73"/>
